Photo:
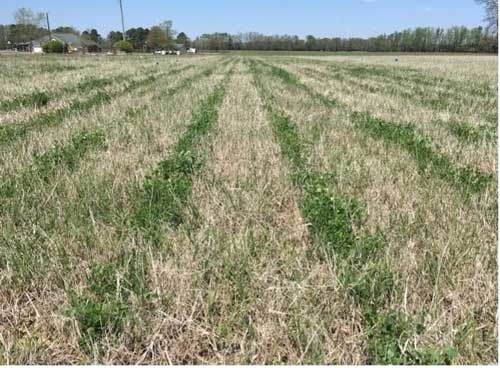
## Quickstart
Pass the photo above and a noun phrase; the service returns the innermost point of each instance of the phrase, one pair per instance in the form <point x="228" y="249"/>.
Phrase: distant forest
<point x="455" y="39"/>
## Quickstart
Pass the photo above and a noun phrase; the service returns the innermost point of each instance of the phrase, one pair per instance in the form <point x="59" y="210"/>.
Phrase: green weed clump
<point x="470" y="134"/>
<point x="68" y="156"/>
<point x="35" y="99"/>
<point x="387" y="333"/>
<point x="106" y="305"/>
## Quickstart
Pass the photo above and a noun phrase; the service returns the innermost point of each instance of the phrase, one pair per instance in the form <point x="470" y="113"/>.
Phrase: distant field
<point x="248" y="209"/>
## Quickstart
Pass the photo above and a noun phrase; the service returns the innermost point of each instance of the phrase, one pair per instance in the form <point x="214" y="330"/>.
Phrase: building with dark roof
<point x="72" y="43"/>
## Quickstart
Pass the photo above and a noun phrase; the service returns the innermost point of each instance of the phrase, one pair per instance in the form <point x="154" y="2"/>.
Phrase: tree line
<point x="428" y="39"/>
<point x="28" y="26"/>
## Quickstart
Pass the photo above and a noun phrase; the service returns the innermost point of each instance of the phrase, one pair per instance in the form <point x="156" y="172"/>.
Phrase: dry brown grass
<point x="241" y="279"/>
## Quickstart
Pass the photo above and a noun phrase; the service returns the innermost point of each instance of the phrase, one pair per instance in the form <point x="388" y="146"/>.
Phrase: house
<point x="72" y="43"/>
<point x="23" y="46"/>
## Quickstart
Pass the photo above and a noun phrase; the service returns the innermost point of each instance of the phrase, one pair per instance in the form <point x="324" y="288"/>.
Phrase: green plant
<point x="34" y="99"/>
<point x="70" y="155"/>
<point x="106" y="305"/>
<point x="470" y="134"/>
<point x="53" y="47"/>
<point x="124" y="46"/>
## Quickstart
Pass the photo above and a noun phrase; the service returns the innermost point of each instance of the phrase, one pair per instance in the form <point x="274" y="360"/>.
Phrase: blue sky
<point x="325" y="18"/>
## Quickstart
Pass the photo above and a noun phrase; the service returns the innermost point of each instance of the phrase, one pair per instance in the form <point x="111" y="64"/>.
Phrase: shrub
<point x="124" y="46"/>
<point x="53" y="46"/>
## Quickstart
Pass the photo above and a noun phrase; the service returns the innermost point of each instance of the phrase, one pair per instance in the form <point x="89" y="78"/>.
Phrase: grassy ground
<point x="248" y="209"/>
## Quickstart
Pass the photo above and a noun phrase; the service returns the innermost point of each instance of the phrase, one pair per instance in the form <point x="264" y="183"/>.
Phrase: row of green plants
<point x="12" y="132"/>
<point x="115" y="291"/>
<point x="335" y="223"/>
<point x="462" y="130"/>
<point x="46" y="164"/>
<point x="39" y="99"/>
<point x="468" y="133"/>
<point x="406" y="136"/>
<point x="166" y="190"/>
<point x="411" y="85"/>
<point x="21" y="254"/>
<point x="409" y="78"/>
<point x="38" y="176"/>
<point x="118" y="287"/>
<point x="428" y="159"/>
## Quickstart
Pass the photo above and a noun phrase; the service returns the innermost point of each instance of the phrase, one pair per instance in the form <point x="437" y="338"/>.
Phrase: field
<point x="248" y="209"/>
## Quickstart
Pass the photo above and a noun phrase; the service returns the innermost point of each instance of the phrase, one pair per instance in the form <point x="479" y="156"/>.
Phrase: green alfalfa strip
<point x="291" y="80"/>
<point x="332" y="220"/>
<point x="407" y="137"/>
<point x="423" y="152"/>
<point x="411" y="78"/>
<point x="67" y="156"/>
<point x="12" y="132"/>
<point x="61" y="155"/>
<point x="166" y="190"/>
<point x="40" y="99"/>
<point x="136" y="111"/>
<point x="35" y="99"/>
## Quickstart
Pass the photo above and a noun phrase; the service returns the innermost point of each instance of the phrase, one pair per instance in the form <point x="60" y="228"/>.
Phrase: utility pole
<point x="48" y="26"/>
<point x="123" y="22"/>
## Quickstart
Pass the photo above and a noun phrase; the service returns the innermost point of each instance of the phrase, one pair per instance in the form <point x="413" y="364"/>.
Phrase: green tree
<point x="66" y="29"/>
<point x="310" y="43"/>
<point x="183" y="39"/>
<point x="138" y="37"/>
<point x="114" y="36"/>
<point x="4" y="37"/>
<point x="92" y="35"/>
<point x="157" y="39"/>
